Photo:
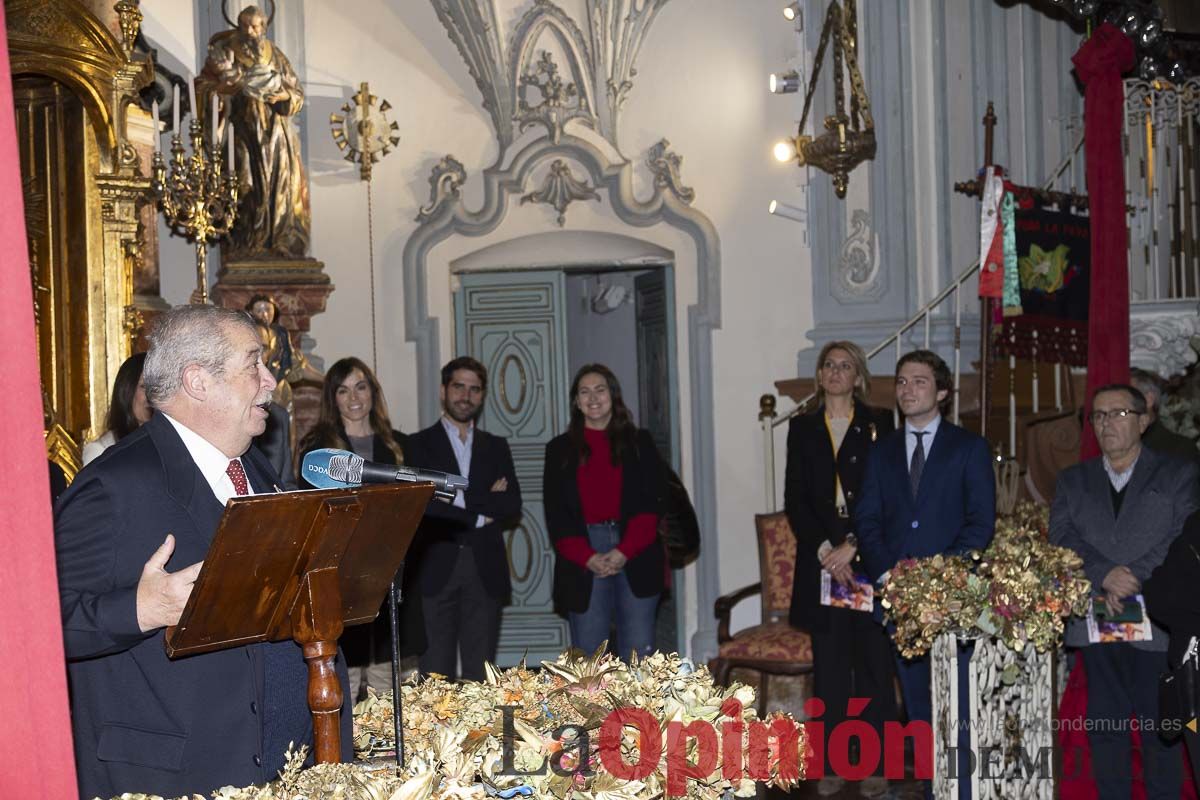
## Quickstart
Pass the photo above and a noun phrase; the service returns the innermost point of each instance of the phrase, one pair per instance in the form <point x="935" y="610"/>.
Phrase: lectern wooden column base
<point x="301" y="566"/>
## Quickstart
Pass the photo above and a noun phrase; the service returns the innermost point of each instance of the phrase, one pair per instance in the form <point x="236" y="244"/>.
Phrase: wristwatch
<point x="851" y="539"/>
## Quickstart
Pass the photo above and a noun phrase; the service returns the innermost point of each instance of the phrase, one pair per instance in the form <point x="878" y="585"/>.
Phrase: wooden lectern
<point x="301" y="565"/>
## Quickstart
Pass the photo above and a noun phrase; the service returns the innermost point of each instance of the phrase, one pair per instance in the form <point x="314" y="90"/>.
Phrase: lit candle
<point x="214" y="119"/>
<point x="154" y="122"/>
<point x="175" y="112"/>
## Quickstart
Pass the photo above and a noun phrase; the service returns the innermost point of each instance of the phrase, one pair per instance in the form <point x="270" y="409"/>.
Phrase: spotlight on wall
<point x="779" y="209"/>
<point x="792" y="10"/>
<point x="784" y="83"/>
<point x="785" y="150"/>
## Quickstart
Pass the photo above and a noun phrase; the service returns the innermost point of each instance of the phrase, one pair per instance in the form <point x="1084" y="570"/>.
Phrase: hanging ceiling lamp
<point x="849" y="137"/>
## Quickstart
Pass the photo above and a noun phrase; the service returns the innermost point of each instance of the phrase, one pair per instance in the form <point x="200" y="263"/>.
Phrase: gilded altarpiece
<point x="76" y="81"/>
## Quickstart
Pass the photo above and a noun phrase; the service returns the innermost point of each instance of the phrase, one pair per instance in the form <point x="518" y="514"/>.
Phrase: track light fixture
<point x="785" y="150"/>
<point x="779" y="209"/>
<point x="791" y="11"/>
<point x="784" y="83"/>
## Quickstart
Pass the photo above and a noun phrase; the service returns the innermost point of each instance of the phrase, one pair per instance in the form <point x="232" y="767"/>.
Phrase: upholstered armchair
<point x="772" y="647"/>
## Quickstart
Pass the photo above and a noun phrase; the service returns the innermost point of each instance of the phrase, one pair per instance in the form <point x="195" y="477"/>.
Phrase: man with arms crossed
<point x="929" y="489"/>
<point x="462" y="564"/>
<point x="130" y="534"/>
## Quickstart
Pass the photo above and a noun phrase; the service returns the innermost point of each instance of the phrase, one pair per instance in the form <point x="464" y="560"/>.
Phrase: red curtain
<point x="1099" y="63"/>
<point x="36" y="735"/>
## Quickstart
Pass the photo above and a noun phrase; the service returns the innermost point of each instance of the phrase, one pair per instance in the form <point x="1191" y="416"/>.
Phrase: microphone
<point x="330" y="468"/>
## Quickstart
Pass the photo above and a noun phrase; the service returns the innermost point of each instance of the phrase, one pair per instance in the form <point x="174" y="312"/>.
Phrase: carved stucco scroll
<point x="857" y="277"/>
<point x="665" y="164"/>
<point x="1160" y="337"/>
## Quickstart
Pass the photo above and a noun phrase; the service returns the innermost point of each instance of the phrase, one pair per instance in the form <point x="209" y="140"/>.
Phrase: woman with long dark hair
<point x="603" y="484"/>
<point x="354" y="417"/>
<point x="826" y="457"/>
<point x="127" y="411"/>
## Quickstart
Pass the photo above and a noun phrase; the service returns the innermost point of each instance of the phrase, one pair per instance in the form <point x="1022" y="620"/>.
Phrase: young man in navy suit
<point x="461" y="562"/>
<point x="929" y="489"/>
<point x="130" y="534"/>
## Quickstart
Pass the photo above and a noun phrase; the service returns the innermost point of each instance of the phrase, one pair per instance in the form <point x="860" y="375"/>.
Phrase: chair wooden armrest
<point x="724" y="606"/>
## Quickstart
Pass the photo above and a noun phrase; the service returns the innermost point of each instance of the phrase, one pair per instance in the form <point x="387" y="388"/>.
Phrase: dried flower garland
<point x="1020" y="590"/>
<point x="494" y="739"/>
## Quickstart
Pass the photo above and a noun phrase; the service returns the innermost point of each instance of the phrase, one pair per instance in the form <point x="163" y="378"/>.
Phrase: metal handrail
<point x="770" y="420"/>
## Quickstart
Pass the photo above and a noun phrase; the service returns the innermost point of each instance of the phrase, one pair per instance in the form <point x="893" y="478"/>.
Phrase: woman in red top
<point x="603" y="482"/>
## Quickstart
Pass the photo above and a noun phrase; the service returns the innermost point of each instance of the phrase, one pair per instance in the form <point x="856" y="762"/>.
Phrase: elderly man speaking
<point x="1120" y="512"/>
<point x="130" y="533"/>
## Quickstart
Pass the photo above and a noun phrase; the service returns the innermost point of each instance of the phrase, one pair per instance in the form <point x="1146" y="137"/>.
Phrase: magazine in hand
<point x="1131" y="625"/>
<point x="861" y="597"/>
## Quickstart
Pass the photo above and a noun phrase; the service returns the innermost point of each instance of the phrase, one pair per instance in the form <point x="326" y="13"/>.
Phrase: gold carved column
<point x="76" y="83"/>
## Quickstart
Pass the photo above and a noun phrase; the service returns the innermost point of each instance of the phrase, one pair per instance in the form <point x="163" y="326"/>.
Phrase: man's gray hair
<point x="187" y="335"/>
<point x="1148" y="384"/>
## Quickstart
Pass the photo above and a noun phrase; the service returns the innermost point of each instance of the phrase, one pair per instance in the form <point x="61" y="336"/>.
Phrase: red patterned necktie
<point x="238" y="475"/>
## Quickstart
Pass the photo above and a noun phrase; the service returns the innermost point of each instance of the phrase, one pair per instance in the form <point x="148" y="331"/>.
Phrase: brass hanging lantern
<point x="849" y="137"/>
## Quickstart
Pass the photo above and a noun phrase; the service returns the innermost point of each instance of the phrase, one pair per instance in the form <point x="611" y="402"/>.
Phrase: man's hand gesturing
<point x="161" y="595"/>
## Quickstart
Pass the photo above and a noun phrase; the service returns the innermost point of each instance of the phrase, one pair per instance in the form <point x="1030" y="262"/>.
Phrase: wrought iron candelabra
<point x="198" y="197"/>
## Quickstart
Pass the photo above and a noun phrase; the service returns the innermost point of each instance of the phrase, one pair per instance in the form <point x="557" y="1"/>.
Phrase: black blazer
<point x="809" y="497"/>
<point x="643" y="485"/>
<point x="372" y="641"/>
<point x="141" y="721"/>
<point x="1170" y="590"/>
<point x="445" y="526"/>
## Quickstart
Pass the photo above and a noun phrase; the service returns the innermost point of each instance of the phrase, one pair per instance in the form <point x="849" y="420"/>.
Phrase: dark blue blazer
<point x="142" y="722"/>
<point x="955" y="507"/>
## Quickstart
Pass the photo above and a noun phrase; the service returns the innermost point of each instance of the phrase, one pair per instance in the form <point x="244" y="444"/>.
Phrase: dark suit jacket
<point x="955" y="507"/>
<point x="1159" y="497"/>
<point x="1171" y="590"/>
<point x="142" y="722"/>
<point x="643" y="485"/>
<point x="809" y="497"/>
<point x="446" y="526"/>
<point x="1161" y="438"/>
<point x="372" y="641"/>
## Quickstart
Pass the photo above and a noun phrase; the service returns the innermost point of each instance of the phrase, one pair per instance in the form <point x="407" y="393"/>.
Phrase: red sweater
<point x="599" y="485"/>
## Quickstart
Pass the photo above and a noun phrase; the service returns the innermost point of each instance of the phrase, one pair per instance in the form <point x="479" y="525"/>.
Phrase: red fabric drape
<point x="36" y="735"/>
<point x="1099" y="63"/>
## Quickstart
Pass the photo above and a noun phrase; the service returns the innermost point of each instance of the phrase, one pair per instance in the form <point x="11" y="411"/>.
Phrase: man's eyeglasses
<point x="1098" y="417"/>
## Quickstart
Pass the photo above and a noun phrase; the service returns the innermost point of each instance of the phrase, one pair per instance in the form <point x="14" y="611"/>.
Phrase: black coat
<point x="1170" y="590"/>
<point x="445" y="526"/>
<point x="643" y="485"/>
<point x="372" y="641"/>
<point x="809" y="497"/>
<point x="143" y="722"/>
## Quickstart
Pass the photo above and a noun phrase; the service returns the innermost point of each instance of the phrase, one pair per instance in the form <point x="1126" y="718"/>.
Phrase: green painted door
<point x="514" y="323"/>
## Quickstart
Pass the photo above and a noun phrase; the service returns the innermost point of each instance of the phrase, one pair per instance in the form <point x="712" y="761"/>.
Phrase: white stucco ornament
<point x="1161" y="340"/>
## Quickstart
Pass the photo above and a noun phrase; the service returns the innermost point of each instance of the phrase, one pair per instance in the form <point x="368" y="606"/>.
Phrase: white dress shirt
<point x="910" y="438"/>
<point x="462" y="454"/>
<point x="210" y="460"/>
<point x="1119" y="480"/>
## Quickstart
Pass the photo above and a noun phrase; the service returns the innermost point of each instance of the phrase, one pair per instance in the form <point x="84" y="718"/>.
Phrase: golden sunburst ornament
<point x="363" y="131"/>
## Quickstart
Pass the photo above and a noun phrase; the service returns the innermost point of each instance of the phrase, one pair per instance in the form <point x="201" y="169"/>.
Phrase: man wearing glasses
<point x="1120" y="512"/>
